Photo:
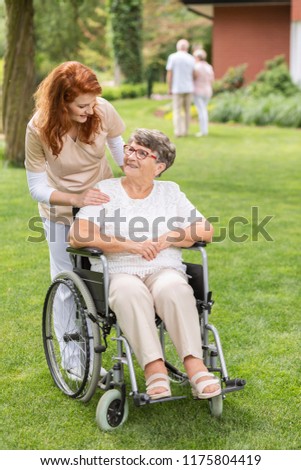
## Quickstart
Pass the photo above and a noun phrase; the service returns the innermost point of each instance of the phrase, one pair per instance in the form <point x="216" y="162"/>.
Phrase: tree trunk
<point x="117" y="74"/>
<point x="19" y="76"/>
<point x="126" y="20"/>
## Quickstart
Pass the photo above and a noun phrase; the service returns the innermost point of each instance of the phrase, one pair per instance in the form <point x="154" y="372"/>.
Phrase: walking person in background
<point x="180" y="70"/>
<point x="203" y="80"/>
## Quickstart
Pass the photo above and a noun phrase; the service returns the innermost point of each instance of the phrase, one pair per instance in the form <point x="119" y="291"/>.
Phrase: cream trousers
<point x="181" y="113"/>
<point x="135" y="300"/>
<point x="57" y="239"/>
<point x="201" y="103"/>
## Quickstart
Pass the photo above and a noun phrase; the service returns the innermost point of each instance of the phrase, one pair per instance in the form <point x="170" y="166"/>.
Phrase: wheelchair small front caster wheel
<point x="108" y="413"/>
<point x="216" y="406"/>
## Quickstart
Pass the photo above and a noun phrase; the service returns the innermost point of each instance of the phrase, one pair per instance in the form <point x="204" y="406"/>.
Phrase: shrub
<point x="160" y="88"/>
<point x="226" y="107"/>
<point x="132" y="91"/>
<point x="124" y="91"/>
<point x="231" y="81"/>
<point x="261" y="112"/>
<point x="275" y="79"/>
<point x="111" y="93"/>
<point x="289" y="113"/>
<point x="271" y="99"/>
<point x="243" y="108"/>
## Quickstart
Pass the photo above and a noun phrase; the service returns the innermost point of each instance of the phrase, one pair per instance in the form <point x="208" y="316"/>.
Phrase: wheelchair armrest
<point x="95" y="252"/>
<point x="196" y="246"/>
<point x="88" y="252"/>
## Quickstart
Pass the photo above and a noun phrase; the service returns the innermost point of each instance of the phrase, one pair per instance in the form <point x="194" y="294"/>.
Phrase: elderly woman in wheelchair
<point x="141" y="230"/>
<point x="128" y="274"/>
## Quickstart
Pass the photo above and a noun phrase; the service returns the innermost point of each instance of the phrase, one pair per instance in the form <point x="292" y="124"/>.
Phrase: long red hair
<point x="54" y="93"/>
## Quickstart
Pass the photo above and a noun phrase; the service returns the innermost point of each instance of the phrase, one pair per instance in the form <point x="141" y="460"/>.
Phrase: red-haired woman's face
<point x="82" y="107"/>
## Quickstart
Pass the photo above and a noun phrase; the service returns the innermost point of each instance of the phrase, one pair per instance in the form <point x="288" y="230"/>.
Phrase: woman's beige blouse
<point x="79" y="166"/>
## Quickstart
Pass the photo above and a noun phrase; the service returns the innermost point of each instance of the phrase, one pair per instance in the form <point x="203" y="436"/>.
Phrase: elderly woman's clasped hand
<point x="148" y="249"/>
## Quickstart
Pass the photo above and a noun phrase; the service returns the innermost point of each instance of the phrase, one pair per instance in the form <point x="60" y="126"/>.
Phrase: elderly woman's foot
<point x="204" y="384"/>
<point x="157" y="380"/>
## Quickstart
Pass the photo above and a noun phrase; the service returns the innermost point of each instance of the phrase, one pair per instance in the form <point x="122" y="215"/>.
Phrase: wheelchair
<point x="78" y="322"/>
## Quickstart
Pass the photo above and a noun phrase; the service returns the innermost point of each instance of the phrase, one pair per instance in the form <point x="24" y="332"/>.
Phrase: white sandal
<point x="150" y="385"/>
<point x="197" y="388"/>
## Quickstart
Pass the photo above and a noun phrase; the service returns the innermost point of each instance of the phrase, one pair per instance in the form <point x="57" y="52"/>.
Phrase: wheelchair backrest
<point x="94" y="282"/>
<point x="195" y="279"/>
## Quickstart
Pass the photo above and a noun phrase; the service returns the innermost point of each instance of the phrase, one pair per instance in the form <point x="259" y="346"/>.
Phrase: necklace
<point x="73" y="133"/>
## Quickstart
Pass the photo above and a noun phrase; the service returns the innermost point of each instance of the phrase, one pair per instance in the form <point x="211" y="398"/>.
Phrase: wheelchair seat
<point x="94" y="280"/>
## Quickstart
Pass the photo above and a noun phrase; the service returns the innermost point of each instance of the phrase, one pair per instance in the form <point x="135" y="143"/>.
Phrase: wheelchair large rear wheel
<point x="71" y="336"/>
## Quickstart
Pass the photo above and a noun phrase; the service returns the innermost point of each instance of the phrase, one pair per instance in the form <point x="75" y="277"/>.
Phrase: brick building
<point x="251" y="32"/>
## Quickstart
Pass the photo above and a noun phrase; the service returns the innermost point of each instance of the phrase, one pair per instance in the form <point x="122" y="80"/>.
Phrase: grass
<point x="254" y="282"/>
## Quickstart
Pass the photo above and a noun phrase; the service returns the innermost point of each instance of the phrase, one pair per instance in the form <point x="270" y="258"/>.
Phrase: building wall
<point x="296" y="10"/>
<point x="249" y="35"/>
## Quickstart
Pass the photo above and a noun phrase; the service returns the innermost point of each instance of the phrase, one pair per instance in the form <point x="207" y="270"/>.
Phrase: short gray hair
<point x="182" y="45"/>
<point x="157" y="142"/>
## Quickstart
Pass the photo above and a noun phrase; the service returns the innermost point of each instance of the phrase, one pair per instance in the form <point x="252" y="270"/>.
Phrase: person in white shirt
<point x="203" y="80"/>
<point x="142" y="230"/>
<point x="180" y="70"/>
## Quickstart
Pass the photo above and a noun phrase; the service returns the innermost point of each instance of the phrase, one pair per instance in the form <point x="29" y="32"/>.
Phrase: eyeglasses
<point x="140" y="153"/>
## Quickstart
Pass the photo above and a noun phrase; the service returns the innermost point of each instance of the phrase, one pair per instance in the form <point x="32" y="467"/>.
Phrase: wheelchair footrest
<point x="160" y="400"/>
<point x="234" y="385"/>
<point x="144" y="399"/>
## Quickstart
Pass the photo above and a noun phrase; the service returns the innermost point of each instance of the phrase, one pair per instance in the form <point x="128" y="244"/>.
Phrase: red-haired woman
<point x="65" y="151"/>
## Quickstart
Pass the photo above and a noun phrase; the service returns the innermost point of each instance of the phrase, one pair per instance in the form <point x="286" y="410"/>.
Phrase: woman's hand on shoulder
<point x="90" y="197"/>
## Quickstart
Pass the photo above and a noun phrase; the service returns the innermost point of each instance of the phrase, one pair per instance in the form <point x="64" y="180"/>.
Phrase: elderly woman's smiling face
<point x="141" y="161"/>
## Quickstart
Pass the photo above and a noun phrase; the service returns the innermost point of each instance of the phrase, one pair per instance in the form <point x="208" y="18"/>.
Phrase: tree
<point x="57" y="33"/>
<point x="127" y="25"/>
<point x="19" y="76"/>
<point x="62" y="29"/>
<point x="71" y="30"/>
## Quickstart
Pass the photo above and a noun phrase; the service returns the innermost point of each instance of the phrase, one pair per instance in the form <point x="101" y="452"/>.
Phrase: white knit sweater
<point x="166" y="208"/>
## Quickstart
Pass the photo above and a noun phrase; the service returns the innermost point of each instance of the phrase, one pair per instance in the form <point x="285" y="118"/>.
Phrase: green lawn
<point x="254" y="278"/>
